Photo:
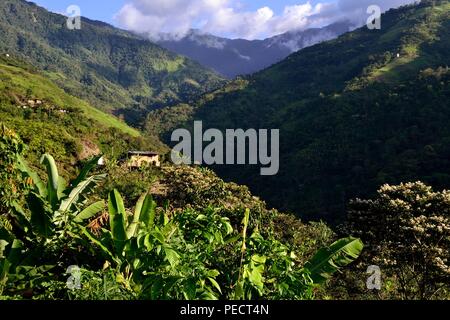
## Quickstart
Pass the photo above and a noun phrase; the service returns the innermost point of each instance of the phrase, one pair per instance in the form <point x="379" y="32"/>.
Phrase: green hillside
<point x="66" y="126"/>
<point x="361" y="118"/>
<point x="113" y="69"/>
<point x="368" y="108"/>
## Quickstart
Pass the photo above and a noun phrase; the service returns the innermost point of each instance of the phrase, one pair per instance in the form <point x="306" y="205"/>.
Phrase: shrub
<point x="407" y="232"/>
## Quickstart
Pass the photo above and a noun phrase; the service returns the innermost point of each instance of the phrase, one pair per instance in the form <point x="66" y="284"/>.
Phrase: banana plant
<point x="55" y="201"/>
<point x="257" y="267"/>
<point x="126" y="232"/>
<point x="332" y="259"/>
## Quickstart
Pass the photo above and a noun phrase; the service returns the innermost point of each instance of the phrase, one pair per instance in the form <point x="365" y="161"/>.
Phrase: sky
<point x="248" y="19"/>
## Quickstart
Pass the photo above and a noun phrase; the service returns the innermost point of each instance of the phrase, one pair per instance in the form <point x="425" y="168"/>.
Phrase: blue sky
<point x="248" y="19"/>
<point x="94" y="9"/>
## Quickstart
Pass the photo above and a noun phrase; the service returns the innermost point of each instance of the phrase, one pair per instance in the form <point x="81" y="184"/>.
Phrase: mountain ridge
<point x="113" y="69"/>
<point x="235" y="57"/>
<point x="52" y="121"/>
<point x="345" y="127"/>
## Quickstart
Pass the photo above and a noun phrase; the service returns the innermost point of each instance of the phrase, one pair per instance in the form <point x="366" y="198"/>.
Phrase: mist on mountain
<point x="234" y="57"/>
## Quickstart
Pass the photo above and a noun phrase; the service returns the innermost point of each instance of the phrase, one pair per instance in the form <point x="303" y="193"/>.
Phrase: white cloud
<point x="247" y="25"/>
<point x="229" y="18"/>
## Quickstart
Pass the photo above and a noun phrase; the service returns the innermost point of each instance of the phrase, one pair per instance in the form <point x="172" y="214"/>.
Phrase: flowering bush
<point x="407" y="232"/>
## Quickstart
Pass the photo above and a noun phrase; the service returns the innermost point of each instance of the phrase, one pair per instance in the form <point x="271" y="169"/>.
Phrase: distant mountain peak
<point x="296" y="40"/>
<point x="233" y="57"/>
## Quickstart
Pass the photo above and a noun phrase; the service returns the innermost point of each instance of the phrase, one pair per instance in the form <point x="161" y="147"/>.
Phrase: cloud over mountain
<point x="228" y="18"/>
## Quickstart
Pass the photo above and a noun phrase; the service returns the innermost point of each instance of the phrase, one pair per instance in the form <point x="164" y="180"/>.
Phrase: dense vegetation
<point x="368" y="108"/>
<point x="112" y="69"/>
<point x="353" y="116"/>
<point x="65" y="126"/>
<point x="60" y="240"/>
<point x="183" y="233"/>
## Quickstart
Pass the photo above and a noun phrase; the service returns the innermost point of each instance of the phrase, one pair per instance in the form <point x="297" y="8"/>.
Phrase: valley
<point x="131" y="172"/>
<point x="351" y="114"/>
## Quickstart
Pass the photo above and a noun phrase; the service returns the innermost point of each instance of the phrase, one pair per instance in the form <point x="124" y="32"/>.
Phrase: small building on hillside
<point x="139" y="159"/>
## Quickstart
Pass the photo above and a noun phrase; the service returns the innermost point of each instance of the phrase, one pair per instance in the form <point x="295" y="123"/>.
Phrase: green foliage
<point x="191" y="255"/>
<point x="352" y="116"/>
<point x="329" y="260"/>
<point x="113" y="69"/>
<point x="56" y="195"/>
<point x="10" y="180"/>
<point x="9" y="261"/>
<point x="131" y="184"/>
<point x="148" y="252"/>
<point x="21" y="83"/>
<point x="72" y="136"/>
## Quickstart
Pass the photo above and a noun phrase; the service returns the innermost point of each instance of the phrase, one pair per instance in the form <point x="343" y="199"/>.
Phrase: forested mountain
<point x="368" y="108"/>
<point x="233" y="57"/>
<point x="50" y="120"/>
<point x="57" y="207"/>
<point x="113" y="69"/>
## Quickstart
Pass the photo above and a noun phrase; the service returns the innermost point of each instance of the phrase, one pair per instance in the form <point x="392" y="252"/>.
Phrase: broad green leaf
<point x="144" y="212"/>
<point x="148" y="212"/>
<point x="39" y="186"/>
<point x="172" y="256"/>
<point x="215" y="284"/>
<point x="144" y="241"/>
<point x="105" y="250"/>
<point x="90" y="212"/>
<point x="208" y="296"/>
<point x="136" y="216"/>
<point x="117" y="219"/>
<point x="254" y="272"/>
<point x="228" y="226"/>
<point x="53" y="179"/>
<point x="201" y="217"/>
<point x="76" y="194"/>
<point x="239" y="291"/>
<point x="190" y="289"/>
<point x="13" y="258"/>
<point x="41" y="220"/>
<point x="157" y="234"/>
<point x="84" y="172"/>
<point x="329" y="260"/>
<point x="62" y="185"/>
<point x="213" y="273"/>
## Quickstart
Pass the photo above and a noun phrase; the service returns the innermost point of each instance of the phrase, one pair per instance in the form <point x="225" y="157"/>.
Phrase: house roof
<point x="142" y="153"/>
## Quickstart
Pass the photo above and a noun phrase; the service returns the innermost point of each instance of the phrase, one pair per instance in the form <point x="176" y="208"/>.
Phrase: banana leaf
<point x="53" y="179"/>
<point x="76" y="194"/>
<point x="91" y="211"/>
<point x="84" y="172"/>
<point x="39" y="186"/>
<point x="117" y="220"/>
<point x="330" y="260"/>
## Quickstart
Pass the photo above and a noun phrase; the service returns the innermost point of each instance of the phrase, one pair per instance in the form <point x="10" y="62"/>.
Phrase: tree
<point x="407" y="232"/>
